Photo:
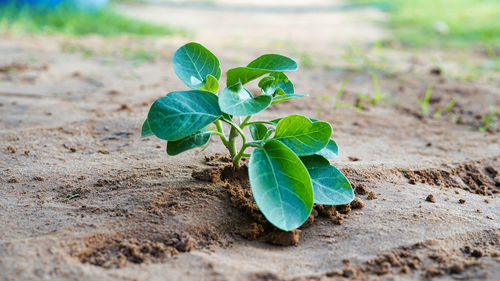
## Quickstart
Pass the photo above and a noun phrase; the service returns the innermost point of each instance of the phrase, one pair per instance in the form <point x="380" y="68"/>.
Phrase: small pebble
<point x="11" y="149"/>
<point x="430" y="198"/>
<point x="476" y="253"/>
<point x="371" y="196"/>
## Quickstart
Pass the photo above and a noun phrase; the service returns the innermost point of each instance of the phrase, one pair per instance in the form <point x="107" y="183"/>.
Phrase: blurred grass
<point x="450" y="23"/>
<point x="65" y="20"/>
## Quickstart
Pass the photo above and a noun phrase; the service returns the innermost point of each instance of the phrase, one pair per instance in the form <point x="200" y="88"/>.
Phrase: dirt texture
<point x="83" y="197"/>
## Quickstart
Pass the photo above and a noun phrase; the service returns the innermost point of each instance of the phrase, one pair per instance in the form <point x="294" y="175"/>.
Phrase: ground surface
<point x="82" y="197"/>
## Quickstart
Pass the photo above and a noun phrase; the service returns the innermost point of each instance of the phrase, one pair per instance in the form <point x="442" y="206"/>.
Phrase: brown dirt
<point x="476" y="177"/>
<point x="235" y="182"/>
<point x="460" y="258"/>
<point x="116" y="251"/>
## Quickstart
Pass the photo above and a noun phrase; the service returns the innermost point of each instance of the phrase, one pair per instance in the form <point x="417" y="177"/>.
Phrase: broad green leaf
<point x="211" y="84"/>
<point x="281" y="185"/>
<point x="197" y="139"/>
<point x="193" y="63"/>
<point x="274" y="62"/>
<point x="239" y="101"/>
<point x="181" y="114"/>
<point x="260" y="66"/>
<point x="146" y="130"/>
<point x="330" y="186"/>
<point x="330" y="151"/>
<point x="243" y="75"/>
<point x="282" y="98"/>
<point x="301" y="135"/>
<point x="258" y="131"/>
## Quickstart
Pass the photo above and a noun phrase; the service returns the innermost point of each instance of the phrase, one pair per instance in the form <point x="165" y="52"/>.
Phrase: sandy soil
<point x="83" y="197"/>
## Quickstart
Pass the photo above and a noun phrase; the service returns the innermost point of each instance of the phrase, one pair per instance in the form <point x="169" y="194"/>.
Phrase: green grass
<point x="64" y="20"/>
<point x="451" y="23"/>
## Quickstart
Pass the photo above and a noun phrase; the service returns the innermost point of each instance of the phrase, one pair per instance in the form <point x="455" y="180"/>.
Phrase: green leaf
<point x="146" y="130"/>
<point x="193" y="63"/>
<point x="239" y="101"/>
<point x="266" y="81"/>
<point x="211" y="84"/>
<point x="330" y="151"/>
<point x="197" y="139"/>
<point x="276" y="84"/>
<point x="281" y="185"/>
<point x="274" y="62"/>
<point x="330" y="186"/>
<point x="282" y="98"/>
<point x="258" y="131"/>
<point x="260" y="66"/>
<point x="181" y="114"/>
<point x="301" y="135"/>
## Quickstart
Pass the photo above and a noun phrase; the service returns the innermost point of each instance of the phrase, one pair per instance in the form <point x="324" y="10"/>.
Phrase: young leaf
<point x="266" y="82"/>
<point x="211" y="84"/>
<point x="239" y="101"/>
<point x="260" y="66"/>
<point x="301" y="135"/>
<point x="275" y="84"/>
<point x="281" y="185"/>
<point x="197" y="139"/>
<point x="193" y="63"/>
<point x="330" y="151"/>
<point x="181" y="114"/>
<point x="258" y="131"/>
<point x="146" y="130"/>
<point x="330" y="186"/>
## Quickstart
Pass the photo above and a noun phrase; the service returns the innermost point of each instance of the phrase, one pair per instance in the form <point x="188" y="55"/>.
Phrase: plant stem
<point x="241" y="153"/>
<point x="245" y="121"/>
<point x="235" y="130"/>
<point x="258" y="122"/>
<point x="214" y="131"/>
<point x="221" y="134"/>
<point x="231" y="144"/>
<point x="238" y="129"/>
<point x="237" y="157"/>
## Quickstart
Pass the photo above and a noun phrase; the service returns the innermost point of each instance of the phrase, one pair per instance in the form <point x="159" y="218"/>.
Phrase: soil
<point x="82" y="196"/>
<point x="237" y="185"/>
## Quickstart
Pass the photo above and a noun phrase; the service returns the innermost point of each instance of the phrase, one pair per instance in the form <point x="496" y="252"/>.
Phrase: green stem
<point x="221" y="136"/>
<point x="231" y="143"/>
<point x="238" y="129"/>
<point x="241" y="153"/>
<point x="235" y="130"/>
<point x="237" y="158"/>
<point x="258" y="122"/>
<point x="220" y="132"/>
<point x="245" y="121"/>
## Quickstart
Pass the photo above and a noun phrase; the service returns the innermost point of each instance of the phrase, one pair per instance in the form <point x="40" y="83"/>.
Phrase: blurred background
<point x="327" y="33"/>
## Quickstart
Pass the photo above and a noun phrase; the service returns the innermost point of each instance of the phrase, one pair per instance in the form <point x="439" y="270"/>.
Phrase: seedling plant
<point x="289" y="170"/>
<point x="424" y="109"/>
<point x="488" y="121"/>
